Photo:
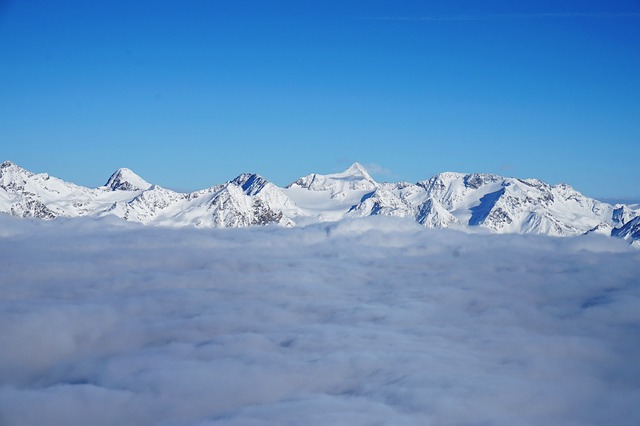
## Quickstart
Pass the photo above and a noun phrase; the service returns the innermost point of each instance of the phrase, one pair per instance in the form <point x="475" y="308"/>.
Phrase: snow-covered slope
<point x="26" y="194"/>
<point x="354" y="178"/>
<point x="247" y="200"/>
<point x="629" y="231"/>
<point x="517" y="205"/>
<point x="468" y="201"/>
<point x="323" y="198"/>
<point x="125" y="180"/>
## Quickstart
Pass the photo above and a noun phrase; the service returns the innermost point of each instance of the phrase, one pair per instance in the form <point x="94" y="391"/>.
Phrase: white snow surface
<point x="125" y="180"/>
<point x="369" y="321"/>
<point x="473" y="202"/>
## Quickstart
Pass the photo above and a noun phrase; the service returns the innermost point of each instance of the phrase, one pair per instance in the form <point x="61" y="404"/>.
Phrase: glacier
<point x="473" y="202"/>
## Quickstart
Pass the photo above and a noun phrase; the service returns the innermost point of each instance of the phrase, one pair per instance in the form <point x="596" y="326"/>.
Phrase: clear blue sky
<point x="191" y="93"/>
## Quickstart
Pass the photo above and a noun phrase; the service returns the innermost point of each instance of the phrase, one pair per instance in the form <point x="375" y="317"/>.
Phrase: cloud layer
<point x="373" y="321"/>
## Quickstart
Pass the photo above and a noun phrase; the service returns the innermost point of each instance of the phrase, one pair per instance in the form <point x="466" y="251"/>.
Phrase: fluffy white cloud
<point x="372" y="321"/>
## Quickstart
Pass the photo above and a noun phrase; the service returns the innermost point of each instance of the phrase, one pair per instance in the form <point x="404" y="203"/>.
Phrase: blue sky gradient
<point x="189" y="94"/>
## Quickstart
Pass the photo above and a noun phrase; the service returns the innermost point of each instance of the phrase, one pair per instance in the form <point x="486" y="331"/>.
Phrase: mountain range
<point x="475" y="201"/>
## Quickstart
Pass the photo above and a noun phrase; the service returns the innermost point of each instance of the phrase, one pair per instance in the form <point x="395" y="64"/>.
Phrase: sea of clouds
<point x="373" y="321"/>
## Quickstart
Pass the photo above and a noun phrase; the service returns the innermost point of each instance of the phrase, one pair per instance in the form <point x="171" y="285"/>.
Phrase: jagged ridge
<point x="466" y="201"/>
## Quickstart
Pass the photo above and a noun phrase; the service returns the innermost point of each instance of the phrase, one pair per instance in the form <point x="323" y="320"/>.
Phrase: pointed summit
<point x="356" y="168"/>
<point x="10" y="166"/>
<point x="125" y="180"/>
<point x="12" y="176"/>
<point x="355" y="178"/>
<point x="251" y="183"/>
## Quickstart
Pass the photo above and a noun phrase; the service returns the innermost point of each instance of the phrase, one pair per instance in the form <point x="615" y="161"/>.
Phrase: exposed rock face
<point x="499" y="204"/>
<point x="629" y="231"/>
<point x="125" y="180"/>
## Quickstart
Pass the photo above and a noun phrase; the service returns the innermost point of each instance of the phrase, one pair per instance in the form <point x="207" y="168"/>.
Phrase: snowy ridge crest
<point x="465" y="201"/>
<point x="125" y="180"/>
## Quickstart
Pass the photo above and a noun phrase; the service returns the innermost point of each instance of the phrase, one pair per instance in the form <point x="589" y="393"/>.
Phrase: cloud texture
<point x="372" y="321"/>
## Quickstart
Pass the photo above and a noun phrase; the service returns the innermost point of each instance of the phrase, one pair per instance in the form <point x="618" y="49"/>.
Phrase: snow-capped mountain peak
<point x="357" y="171"/>
<point x="477" y="200"/>
<point x="12" y="176"/>
<point x="353" y="178"/>
<point x="7" y="164"/>
<point x="251" y="183"/>
<point x="125" y="180"/>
